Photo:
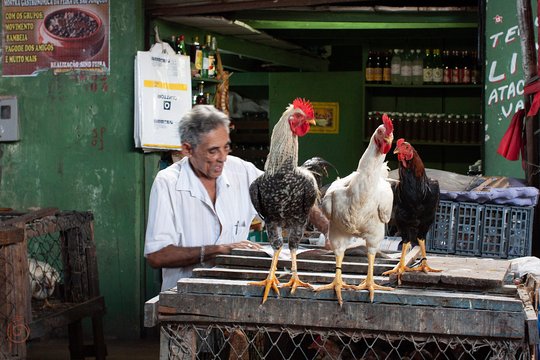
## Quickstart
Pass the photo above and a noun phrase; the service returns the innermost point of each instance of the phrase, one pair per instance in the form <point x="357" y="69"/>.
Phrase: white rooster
<point x="359" y="206"/>
<point x="43" y="279"/>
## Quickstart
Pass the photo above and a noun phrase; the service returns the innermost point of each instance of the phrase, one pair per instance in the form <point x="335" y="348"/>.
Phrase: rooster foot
<point x="295" y="282"/>
<point x="371" y="287"/>
<point x="398" y="270"/>
<point x="271" y="282"/>
<point x="336" y="285"/>
<point x="424" y="267"/>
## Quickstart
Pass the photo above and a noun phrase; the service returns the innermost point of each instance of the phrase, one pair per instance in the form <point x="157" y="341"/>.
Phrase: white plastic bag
<point x="162" y="97"/>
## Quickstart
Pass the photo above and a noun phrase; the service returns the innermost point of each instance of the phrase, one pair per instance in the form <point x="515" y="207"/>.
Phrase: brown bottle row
<point x="427" y="127"/>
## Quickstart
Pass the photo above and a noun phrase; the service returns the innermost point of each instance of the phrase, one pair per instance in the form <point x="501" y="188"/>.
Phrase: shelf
<point x="428" y="86"/>
<point x="205" y="79"/>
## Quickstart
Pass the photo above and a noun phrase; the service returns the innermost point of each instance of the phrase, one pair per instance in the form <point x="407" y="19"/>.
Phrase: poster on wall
<point x="62" y="35"/>
<point x="504" y="81"/>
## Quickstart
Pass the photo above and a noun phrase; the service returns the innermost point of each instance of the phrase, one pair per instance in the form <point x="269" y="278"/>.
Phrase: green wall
<point x="76" y="153"/>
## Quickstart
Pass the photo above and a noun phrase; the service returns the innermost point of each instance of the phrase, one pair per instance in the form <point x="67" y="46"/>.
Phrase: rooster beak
<point x="312" y="122"/>
<point x="389" y="139"/>
<point x="396" y="151"/>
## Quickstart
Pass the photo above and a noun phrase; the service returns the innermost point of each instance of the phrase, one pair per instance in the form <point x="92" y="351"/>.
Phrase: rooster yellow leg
<point x="295" y="281"/>
<point x="337" y="284"/>
<point x="423" y="265"/>
<point x="369" y="283"/>
<point x="400" y="267"/>
<point x="271" y="280"/>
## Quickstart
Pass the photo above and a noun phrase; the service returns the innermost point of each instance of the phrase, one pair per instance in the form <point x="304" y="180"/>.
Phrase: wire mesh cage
<point x="214" y="341"/>
<point x="50" y="273"/>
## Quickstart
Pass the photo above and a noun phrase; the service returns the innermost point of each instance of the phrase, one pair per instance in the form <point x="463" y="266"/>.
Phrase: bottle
<point x="369" y="68"/>
<point x="447" y="67"/>
<point x="406" y="68"/>
<point x="205" y="53"/>
<point x="475" y="70"/>
<point x="437" y="67"/>
<point x="172" y="42"/>
<point x="395" y="65"/>
<point x="194" y="53"/>
<point x="377" y="69"/>
<point x="198" y="55"/>
<point x="456" y="65"/>
<point x="427" y="71"/>
<point x="181" y="45"/>
<point x="201" y="98"/>
<point x="417" y="68"/>
<point x="466" y="68"/>
<point x="212" y="58"/>
<point x="387" y="70"/>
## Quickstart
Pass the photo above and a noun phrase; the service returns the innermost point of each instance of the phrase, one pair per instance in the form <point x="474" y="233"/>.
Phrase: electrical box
<point x="9" y="119"/>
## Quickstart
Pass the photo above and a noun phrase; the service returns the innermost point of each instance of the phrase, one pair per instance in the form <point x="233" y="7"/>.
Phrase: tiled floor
<point x="57" y="349"/>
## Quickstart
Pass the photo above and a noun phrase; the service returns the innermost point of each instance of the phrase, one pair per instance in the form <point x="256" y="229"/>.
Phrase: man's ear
<point x="186" y="149"/>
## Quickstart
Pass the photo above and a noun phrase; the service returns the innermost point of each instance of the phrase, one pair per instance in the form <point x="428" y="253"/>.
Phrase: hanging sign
<point x="63" y="35"/>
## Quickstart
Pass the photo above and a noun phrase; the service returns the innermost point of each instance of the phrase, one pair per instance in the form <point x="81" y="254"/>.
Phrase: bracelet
<point x="202" y="254"/>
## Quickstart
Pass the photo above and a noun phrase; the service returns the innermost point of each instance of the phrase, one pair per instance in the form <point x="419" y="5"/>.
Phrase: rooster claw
<point x="268" y="283"/>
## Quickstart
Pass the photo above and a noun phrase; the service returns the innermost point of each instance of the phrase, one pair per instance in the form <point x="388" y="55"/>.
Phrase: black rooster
<point x="416" y="198"/>
<point x="284" y="195"/>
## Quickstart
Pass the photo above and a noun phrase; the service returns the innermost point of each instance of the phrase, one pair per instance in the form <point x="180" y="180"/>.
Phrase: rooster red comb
<point x="305" y="106"/>
<point x="388" y="124"/>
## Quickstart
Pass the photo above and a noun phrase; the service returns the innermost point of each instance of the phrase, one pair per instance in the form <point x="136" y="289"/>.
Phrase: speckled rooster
<point x="285" y="193"/>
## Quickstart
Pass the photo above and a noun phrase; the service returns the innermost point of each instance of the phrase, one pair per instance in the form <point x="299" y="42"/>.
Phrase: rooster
<point x="43" y="279"/>
<point x="360" y="205"/>
<point x="415" y="202"/>
<point x="284" y="195"/>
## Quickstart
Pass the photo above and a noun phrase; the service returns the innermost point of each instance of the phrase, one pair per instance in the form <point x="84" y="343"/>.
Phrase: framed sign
<point x="326" y="117"/>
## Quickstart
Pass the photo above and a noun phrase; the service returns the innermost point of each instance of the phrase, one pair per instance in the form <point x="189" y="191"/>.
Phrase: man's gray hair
<point x="200" y="120"/>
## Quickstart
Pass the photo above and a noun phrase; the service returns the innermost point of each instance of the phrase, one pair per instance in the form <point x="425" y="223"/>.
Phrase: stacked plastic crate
<point x="499" y="227"/>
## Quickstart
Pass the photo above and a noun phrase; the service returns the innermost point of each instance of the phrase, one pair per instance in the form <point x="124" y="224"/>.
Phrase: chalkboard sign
<point x="504" y="81"/>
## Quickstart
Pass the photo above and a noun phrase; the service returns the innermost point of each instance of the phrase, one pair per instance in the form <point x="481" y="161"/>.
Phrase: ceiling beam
<point x="214" y="7"/>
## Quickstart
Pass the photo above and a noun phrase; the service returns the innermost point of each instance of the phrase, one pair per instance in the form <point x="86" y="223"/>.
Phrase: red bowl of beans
<point x="76" y="34"/>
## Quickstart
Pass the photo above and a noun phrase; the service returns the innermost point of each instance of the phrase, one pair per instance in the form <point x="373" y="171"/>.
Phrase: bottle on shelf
<point x="212" y="58"/>
<point x="447" y="67"/>
<point x="369" y="67"/>
<point x="395" y="72"/>
<point x="465" y="68"/>
<point x="181" y="45"/>
<point x="201" y="98"/>
<point x="205" y="53"/>
<point x="172" y="42"/>
<point x="387" y="69"/>
<point x="475" y="70"/>
<point x="196" y="51"/>
<point x="427" y="71"/>
<point x="417" y="68"/>
<point x="456" y="68"/>
<point x="437" y="67"/>
<point x="406" y="68"/>
<point x="378" y="68"/>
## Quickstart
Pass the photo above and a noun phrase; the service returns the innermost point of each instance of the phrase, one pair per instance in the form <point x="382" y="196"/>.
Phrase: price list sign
<point x="63" y="35"/>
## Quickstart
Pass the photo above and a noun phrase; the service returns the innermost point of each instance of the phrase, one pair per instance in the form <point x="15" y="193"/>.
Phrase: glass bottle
<point x="387" y="71"/>
<point x="447" y="67"/>
<point x="475" y="70"/>
<point x="417" y="68"/>
<point x="377" y="69"/>
<point x="205" y="52"/>
<point x="198" y="56"/>
<point x="456" y="65"/>
<point x="406" y="68"/>
<point x="212" y="58"/>
<point x="437" y="67"/>
<point x="466" y="68"/>
<point x="181" y="45"/>
<point x="395" y="72"/>
<point x="369" y="68"/>
<point x="201" y="98"/>
<point x="427" y="71"/>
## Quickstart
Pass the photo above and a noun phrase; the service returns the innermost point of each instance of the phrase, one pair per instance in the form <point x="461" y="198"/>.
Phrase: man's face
<point x="208" y="158"/>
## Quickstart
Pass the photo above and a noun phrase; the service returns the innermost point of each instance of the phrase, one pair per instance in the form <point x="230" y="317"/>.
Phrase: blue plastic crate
<point x="468" y="229"/>
<point x="440" y="238"/>
<point x="471" y="229"/>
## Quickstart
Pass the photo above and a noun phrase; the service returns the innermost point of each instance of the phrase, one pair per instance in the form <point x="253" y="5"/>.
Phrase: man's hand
<point x="244" y="244"/>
